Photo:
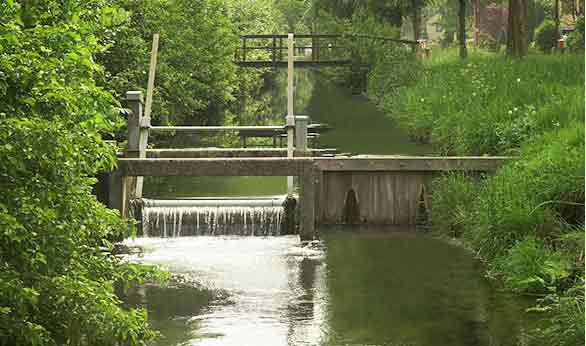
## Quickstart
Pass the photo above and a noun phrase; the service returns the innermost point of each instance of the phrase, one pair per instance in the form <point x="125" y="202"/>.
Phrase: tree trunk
<point x="462" y="29"/>
<point x="556" y="17"/>
<point x="416" y="18"/>
<point x="517" y="28"/>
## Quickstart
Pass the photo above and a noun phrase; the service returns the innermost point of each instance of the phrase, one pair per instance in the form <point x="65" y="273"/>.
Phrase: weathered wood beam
<point x="298" y="63"/>
<point x="214" y="128"/>
<point x="228" y="152"/>
<point x="412" y="163"/>
<point x="214" y="167"/>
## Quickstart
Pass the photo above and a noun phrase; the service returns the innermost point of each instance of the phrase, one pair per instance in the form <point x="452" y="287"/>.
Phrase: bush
<point x="576" y="38"/>
<point x="56" y="282"/>
<point x="532" y="267"/>
<point x="488" y="104"/>
<point x="452" y="196"/>
<point x="545" y="35"/>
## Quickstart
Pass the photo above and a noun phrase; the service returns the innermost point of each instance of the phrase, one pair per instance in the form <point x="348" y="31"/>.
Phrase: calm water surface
<point x="373" y="287"/>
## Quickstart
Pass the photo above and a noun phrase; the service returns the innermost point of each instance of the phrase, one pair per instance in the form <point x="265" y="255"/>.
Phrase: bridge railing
<point x="324" y="49"/>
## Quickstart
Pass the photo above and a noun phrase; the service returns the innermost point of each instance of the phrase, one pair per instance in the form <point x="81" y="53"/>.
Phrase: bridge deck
<point x="279" y="166"/>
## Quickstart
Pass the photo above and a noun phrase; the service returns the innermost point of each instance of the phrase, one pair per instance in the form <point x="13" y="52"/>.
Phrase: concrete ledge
<point x="411" y="163"/>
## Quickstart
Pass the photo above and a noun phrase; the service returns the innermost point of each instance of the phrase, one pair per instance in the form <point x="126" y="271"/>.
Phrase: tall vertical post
<point x="137" y="135"/>
<point x="274" y="54"/>
<point x="290" y="114"/>
<point x="307" y="204"/>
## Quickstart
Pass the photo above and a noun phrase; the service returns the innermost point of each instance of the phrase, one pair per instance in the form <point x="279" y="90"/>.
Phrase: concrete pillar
<point x="301" y="123"/>
<point x="307" y="204"/>
<point x="117" y="192"/>
<point x="138" y="126"/>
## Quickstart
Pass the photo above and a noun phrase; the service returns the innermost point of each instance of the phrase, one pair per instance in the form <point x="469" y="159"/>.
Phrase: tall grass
<point x="527" y="220"/>
<point x="489" y="104"/>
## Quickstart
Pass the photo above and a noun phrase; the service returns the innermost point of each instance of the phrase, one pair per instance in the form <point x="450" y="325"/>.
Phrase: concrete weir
<point x="212" y="216"/>
<point x="340" y="189"/>
<point x="389" y="190"/>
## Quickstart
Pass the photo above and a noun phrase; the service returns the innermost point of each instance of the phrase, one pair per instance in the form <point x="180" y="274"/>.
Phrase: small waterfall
<point x="221" y="216"/>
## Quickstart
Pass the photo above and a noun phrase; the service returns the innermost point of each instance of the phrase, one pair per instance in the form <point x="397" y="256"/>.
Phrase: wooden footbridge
<point x="311" y="50"/>
<point x="390" y="190"/>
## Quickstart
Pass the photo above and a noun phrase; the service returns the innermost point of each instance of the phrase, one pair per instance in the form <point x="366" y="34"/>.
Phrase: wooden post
<point x="117" y="195"/>
<point x="244" y="49"/>
<point x="274" y="55"/>
<point x="313" y="47"/>
<point x="137" y="135"/>
<point x="307" y="204"/>
<point x="290" y="120"/>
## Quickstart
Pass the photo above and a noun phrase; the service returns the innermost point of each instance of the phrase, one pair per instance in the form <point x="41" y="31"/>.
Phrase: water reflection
<point x="275" y="290"/>
<point x="368" y="288"/>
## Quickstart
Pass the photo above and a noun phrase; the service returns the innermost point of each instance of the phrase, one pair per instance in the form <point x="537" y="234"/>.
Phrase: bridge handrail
<point x="374" y="37"/>
<point x="263" y="128"/>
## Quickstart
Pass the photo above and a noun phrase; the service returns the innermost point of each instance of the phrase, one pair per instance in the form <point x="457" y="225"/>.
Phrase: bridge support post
<point x="290" y="120"/>
<point x="138" y="126"/>
<point x="307" y="204"/>
<point x="301" y="123"/>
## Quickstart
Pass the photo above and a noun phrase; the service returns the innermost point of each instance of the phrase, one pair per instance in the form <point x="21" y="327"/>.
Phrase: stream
<point x="362" y="286"/>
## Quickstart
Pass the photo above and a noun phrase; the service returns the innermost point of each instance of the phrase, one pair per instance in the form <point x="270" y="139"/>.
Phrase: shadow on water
<point x="368" y="287"/>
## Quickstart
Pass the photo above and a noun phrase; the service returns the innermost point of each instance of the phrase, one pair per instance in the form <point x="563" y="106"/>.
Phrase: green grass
<point x="489" y="104"/>
<point x="527" y="220"/>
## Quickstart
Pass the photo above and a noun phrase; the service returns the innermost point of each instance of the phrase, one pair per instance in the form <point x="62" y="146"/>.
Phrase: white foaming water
<point x="175" y="218"/>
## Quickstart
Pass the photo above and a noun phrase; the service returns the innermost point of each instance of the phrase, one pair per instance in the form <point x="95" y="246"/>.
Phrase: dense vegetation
<point x="64" y="66"/>
<point x="527" y="220"/>
<point x="56" y="283"/>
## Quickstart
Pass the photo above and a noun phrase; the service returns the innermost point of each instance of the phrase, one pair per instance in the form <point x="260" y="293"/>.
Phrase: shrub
<point x="545" y="35"/>
<point x="532" y="267"/>
<point x="576" y="38"/>
<point x="565" y="318"/>
<point x="452" y="196"/>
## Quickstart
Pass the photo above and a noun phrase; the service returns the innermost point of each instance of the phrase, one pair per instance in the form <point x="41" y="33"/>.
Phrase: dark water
<point x="373" y="287"/>
<point x="359" y="128"/>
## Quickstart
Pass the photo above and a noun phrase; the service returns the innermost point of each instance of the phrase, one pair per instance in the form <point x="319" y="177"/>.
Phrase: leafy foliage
<point x="56" y="283"/>
<point x="576" y="38"/>
<point x="545" y="35"/>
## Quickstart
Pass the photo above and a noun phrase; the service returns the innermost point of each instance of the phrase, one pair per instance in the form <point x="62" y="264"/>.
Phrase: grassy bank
<point x="527" y="220"/>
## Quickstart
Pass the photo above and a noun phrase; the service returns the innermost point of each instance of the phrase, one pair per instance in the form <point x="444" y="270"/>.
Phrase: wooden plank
<point x="214" y="167"/>
<point x="298" y="63"/>
<point x="151" y="80"/>
<point x="228" y="152"/>
<point x="196" y="129"/>
<point x="411" y="163"/>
